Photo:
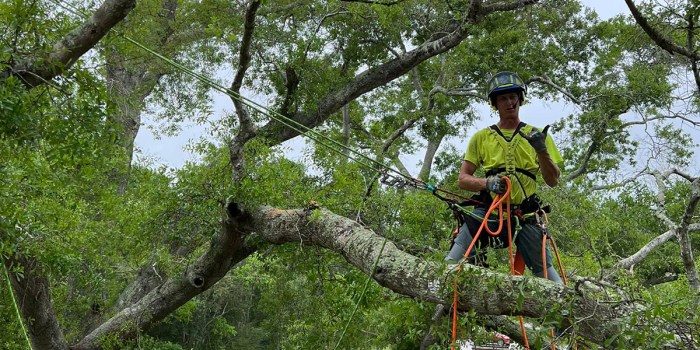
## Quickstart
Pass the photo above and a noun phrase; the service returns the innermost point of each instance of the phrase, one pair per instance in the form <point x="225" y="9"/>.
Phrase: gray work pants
<point x="528" y="242"/>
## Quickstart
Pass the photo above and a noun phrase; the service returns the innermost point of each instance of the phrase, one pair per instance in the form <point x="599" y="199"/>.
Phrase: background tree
<point x="149" y="254"/>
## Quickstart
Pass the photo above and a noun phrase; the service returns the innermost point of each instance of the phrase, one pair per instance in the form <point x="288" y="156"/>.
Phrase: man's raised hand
<point x="536" y="139"/>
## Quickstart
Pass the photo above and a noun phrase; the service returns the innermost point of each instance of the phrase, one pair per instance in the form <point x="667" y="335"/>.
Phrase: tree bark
<point x="32" y="293"/>
<point x="34" y="72"/>
<point x="226" y="249"/>
<point x="482" y="291"/>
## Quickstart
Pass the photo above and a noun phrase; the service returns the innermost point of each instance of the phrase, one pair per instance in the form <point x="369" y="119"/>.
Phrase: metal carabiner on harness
<point x="541" y="221"/>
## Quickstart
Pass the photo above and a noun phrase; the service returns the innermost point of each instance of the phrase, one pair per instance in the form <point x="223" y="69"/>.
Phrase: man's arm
<point x="538" y="141"/>
<point x="467" y="181"/>
<point x="550" y="171"/>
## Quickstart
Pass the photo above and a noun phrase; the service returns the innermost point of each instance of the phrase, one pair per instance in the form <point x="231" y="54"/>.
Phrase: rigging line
<point x="362" y="295"/>
<point x="300" y="128"/>
<point x="291" y="123"/>
<point x="14" y="302"/>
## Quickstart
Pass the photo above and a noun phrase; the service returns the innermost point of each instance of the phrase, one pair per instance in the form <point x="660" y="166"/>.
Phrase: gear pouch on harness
<point x="530" y="205"/>
<point x="473" y="222"/>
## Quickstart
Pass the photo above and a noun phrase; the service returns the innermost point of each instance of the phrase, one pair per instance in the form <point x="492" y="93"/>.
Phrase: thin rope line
<point x="289" y="122"/>
<point x="14" y="302"/>
<point x="369" y="278"/>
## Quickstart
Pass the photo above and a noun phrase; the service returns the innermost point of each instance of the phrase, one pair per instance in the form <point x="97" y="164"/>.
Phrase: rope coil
<point x="516" y="263"/>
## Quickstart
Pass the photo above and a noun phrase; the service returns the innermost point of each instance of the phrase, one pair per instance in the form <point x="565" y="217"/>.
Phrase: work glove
<point x="536" y="139"/>
<point x="496" y="184"/>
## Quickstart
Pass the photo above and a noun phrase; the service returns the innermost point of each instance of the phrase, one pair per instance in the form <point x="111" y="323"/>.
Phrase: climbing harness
<point x="501" y="82"/>
<point x="531" y="206"/>
<point x="501" y="204"/>
<point x="509" y="145"/>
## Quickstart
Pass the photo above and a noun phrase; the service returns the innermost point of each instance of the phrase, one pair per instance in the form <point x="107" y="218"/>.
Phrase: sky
<point x="171" y="151"/>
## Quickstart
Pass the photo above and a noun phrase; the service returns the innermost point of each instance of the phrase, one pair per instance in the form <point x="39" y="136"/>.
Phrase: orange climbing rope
<point x="517" y="264"/>
<point x="497" y="204"/>
<point x="543" y="222"/>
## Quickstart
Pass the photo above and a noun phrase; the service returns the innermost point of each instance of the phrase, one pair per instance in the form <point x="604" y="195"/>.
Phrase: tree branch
<point x="642" y="253"/>
<point x="646" y="120"/>
<point x="468" y="92"/>
<point x="583" y="167"/>
<point x="681" y="230"/>
<point x="664" y="42"/>
<point x="131" y="84"/>
<point x="661" y="213"/>
<point x="411" y="276"/>
<point x="247" y="129"/>
<point x="227" y="248"/>
<point x="430" y="151"/>
<point x="363" y="83"/>
<point x="546" y="81"/>
<point x="684" y="239"/>
<point x="66" y="52"/>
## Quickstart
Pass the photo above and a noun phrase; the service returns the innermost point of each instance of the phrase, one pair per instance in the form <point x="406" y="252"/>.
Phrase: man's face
<point x="508" y="105"/>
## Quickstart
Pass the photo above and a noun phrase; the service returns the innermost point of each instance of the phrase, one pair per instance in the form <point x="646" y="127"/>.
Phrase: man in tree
<point x="519" y="151"/>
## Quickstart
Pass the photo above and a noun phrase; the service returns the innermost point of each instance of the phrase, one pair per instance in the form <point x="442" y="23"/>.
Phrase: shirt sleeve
<point x="472" y="154"/>
<point x="554" y="152"/>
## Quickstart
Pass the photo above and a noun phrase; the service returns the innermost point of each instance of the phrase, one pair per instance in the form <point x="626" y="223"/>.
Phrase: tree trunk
<point x="34" y="301"/>
<point x="431" y="150"/>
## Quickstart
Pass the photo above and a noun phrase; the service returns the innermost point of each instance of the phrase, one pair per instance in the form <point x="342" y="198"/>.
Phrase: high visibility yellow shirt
<point x="490" y="150"/>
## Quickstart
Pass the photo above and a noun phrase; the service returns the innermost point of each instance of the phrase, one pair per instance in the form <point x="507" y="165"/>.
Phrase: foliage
<point x="61" y="160"/>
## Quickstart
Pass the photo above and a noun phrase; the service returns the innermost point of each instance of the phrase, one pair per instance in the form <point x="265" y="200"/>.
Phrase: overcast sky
<point x="170" y="151"/>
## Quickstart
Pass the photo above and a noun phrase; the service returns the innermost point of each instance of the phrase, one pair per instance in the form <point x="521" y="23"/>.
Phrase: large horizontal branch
<point x="363" y="83"/>
<point x="76" y="43"/>
<point x="380" y="75"/>
<point x="226" y="249"/>
<point x="482" y="291"/>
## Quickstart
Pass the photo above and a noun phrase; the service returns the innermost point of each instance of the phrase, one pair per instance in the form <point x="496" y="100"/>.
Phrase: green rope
<point x="14" y="302"/>
<point x="369" y="278"/>
<point x="288" y="122"/>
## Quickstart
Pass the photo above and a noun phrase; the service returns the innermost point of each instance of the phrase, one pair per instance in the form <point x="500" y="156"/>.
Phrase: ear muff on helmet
<point x="505" y="82"/>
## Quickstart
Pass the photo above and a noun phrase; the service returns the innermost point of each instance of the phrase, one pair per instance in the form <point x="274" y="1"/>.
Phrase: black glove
<point x="536" y="139"/>
<point x="496" y="184"/>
